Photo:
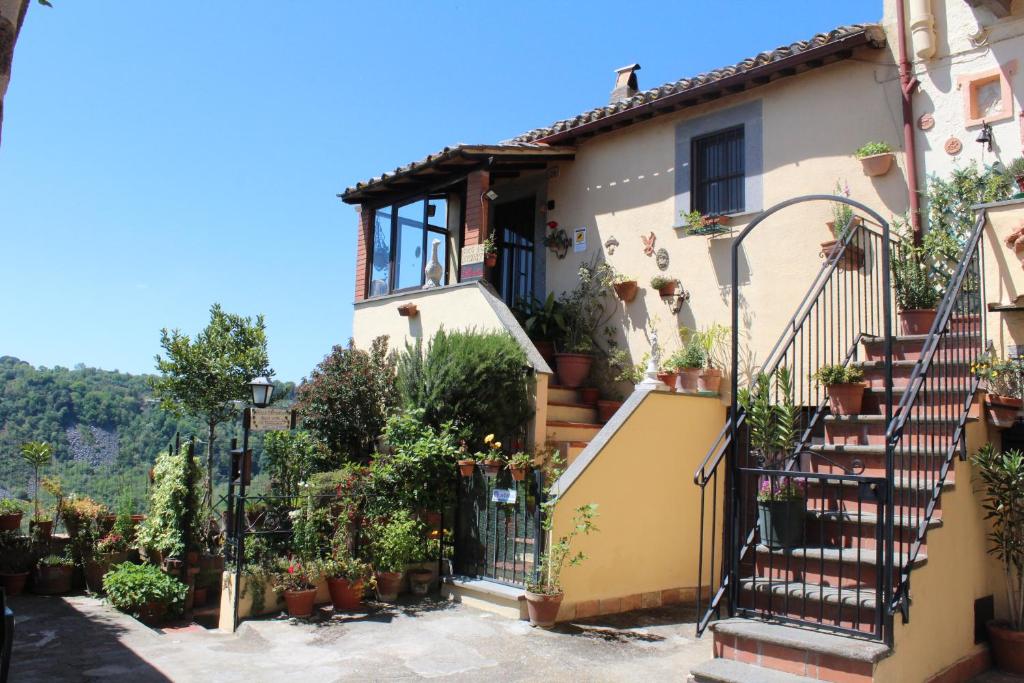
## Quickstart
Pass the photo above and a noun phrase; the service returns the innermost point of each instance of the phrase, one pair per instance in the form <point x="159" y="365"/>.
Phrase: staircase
<point x="571" y="424"/>
<point x="822" y="608"/>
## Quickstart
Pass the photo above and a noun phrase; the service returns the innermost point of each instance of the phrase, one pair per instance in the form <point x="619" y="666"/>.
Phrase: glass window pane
<point x="381" y="255"/>
<point x="410" y="246"/>
<point x="437" y="213"/>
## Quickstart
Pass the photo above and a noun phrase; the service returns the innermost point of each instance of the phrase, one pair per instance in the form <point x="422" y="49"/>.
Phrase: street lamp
<point x="262" y="389"/>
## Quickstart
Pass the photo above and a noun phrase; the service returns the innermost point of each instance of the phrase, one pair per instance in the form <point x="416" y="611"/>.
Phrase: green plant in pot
<point x="490" y="252"/>
<point x="144" y="591"/>
<point x="53" y="575"/>
<point x="544" y="592"/>
<point x="1001" y="475"/>
<point x="110" y="551"/>
<point x="16" y="560"/>
<point x="347" y="578"/>
<point x="38" y="454"/>
<point x="689" y="361"/>
<point x="297" y="580"/>
<point x="586" y="313"/>
<point x="781" y="501"/>
<point x="519" y="465"/>
<point x="665" y="285"/>
<point x="1004" y="382"/>
<point x="845" y="385"/>
<point x="875" y="157"/>
<point x="544" y="323"/>
<point x="712" y="342"/>
<point x="1015" y="170"/>
<point x="913" y="281"/>
<point x="394" y="543"/>
<point x="11" y="511"/>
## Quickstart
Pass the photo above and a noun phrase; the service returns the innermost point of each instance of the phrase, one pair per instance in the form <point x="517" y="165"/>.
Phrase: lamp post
<point x="262" y="389"/>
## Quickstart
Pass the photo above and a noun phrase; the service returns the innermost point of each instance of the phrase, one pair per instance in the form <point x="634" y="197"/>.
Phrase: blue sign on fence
<point x="503" y="496"/>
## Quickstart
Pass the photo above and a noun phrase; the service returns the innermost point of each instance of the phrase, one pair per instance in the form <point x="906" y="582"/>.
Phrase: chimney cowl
<point x="625" y="83"/>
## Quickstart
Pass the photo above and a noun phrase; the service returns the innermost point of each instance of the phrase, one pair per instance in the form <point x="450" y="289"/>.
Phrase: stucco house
<point x="888" y="494"/>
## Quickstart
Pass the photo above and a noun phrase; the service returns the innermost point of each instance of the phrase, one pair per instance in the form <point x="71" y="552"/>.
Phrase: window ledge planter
<point x="877" y="164"/>
<point x="1003" y="410"/>
<point x="626" y="291"/>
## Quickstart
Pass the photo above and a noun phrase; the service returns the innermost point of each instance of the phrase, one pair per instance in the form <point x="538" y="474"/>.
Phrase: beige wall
<point x="1004" y="275"/>
<point x="648" y="509"/>
<point x="622" y="185"/>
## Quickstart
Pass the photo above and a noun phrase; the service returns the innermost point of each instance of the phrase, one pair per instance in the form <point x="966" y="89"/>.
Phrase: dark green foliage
<point x="174" y="522"/>
<point x="346" y="400"/>
<point x="479" y="381"/>
<point x="292" y="457"/>
<point x="130" y="586"/>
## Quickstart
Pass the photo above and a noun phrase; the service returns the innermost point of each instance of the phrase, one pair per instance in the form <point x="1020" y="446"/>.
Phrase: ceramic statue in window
<point x="433" y="271"/>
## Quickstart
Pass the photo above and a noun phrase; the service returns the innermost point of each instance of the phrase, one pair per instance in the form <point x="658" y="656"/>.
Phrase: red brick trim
<point x="965" y="669"/>
<point x="628" y="603"/>
<point x="364" y="240"/>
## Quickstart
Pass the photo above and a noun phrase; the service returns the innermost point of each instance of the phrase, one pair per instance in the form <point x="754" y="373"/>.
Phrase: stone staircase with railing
<point x="571" y="424"/>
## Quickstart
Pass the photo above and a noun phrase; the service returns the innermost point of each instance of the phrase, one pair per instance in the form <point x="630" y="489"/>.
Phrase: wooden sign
<point x="270" y="419"/>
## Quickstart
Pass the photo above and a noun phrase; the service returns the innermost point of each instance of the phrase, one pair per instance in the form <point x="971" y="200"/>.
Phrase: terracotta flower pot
<point x="877" y="164"/>
<point x="689" y="380"/>
<point x="388" y="586"/>
<point x="13" y="583"/>
<point x="1002" y="410"/>
<point x="45" y="528"/>
<point x="573" y="368"/>
<point x="199" y="596"/>
<point x="917" y="321"/>
<point x="466" y="468"/>
<point x="710" y="379"/>
<point x="667" y="290"/>
<point x="543" y="609"/>
<point x="668" y="378"/>
<point x="853" y="256"/>
<point x="211" y="563"/>
<point x="300" y="603"/>
<point x="492" y="467"/>
<point x="97" y="568"/>
<point x="607" y="409"/>
<point x="1020" y="182"/>
<point x="346" y="595"/>
<point x="518" y="472"/>
<point x="106" y="523"/>
<point x="10" y="522"/>
<point x="491" y="260"/>
<point x="626" y="291"/>
<point x="589" y="395"/>
<point x="1007" y="647"/>
<point x="846" y="399"/>
<point x="52" y="580"/>
<point x="152" y="613"/>
<point x="419" y="581"/>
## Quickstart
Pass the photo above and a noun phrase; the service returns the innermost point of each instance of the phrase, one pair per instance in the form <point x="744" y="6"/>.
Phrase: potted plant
<point x="666" y="286"/>
<point x="1002" y="478"/>
<point x="490" y="252"/>
<point x="544" y="592"/>
<point x="53" y="575"/>
<point x="1003" y="379"/>
<point x="843" y="221"/>
<point x="585" y="313"/>
<point x="876" y="158"/>
<point x="589" y="395"/>
<point x="711" y="341"/>
<point x="781" y="501"/>
<point x="699" y="224"/>
<point x="38" y="454"/>
<point x="688" y="363"/>
<point x="917" y="296"/>
<point x="11" y="511"/>
<point x="394" y="543"/>
<point x="466" y="462"/>
<point x="297" y="581"/>
<point x="1016" y="171"/>
<point x="15" y="561"/>
<point x="144" y="591"/>
<point x="543" y="322"/>
<point x="491" y="459"/>
<point x="845" y="386"/>
<point x="625" y="287"/>
<point x="519" y="464"/>
<point x="111" y="550"/>
<point x="347" y="577"/>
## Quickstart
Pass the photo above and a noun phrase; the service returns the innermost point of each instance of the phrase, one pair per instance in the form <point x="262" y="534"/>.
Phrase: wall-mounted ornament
<point x="557" y="240"/>
<point x="926" y="122"/>
<point x="648" y="241"/>
<point x="661" y="258"/>
<point x="953" y="146"/>
<point x="610" y="244"/>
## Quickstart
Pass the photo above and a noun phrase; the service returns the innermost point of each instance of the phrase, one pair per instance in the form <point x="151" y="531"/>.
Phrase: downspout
<point x="907" y="85"/>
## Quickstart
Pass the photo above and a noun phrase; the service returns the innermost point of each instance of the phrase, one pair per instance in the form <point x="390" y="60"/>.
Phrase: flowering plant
<point x="1004" y="377"/>
<point x="842" y="214"/>
<point x="489" y="245"/>
<point x="493" y="451"/>
<point x="293" y="575"/>
<point x="781" y="489"/>
<point x="112" y="543"/>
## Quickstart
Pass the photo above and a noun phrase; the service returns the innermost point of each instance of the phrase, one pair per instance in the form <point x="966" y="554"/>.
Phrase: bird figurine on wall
<point x="648" y="244"/>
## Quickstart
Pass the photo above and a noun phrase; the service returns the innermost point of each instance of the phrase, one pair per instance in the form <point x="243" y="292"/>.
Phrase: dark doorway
<point x="513" y="232"/>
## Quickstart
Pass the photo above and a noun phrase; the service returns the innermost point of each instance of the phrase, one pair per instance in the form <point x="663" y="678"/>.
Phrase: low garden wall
<point x="639" y="472"/>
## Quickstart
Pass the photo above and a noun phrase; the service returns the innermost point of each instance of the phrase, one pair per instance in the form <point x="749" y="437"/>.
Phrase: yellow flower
<point x="489" y="438"/>
<point x="496" y="445"/>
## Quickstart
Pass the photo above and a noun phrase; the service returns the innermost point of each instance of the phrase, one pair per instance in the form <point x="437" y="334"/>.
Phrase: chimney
<point x="625" y="83"/>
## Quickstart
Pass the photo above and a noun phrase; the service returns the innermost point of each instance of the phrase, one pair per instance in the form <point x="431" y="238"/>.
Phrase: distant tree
<point x="203" y="378"/>
<point x="347" y="398"/>
<point x="37" y="454"/>
<point x="12" y="16"/>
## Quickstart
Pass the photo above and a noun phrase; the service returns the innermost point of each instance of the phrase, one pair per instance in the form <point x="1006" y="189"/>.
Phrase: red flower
<point x="552" y="225"/>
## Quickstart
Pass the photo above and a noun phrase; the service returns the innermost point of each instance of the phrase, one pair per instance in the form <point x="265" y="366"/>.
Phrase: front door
<point x="513" y="232"/>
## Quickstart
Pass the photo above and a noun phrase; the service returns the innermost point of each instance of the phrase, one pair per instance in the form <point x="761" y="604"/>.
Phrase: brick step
<point x="797" y="652"/>
<point x="865" y="430"/>
<point x="908" y="347"/>
<point x="841" y="530"/>
<point x="824" y="566"/>
<point x="874" y="370"/>
<point x="935" y="399"/>
<point x="920" y="458"/>
<point x="563" y="430"/>
<point x="571" y="412"/>
<point x="730" y="671"/>
<point x="562" y="394"/>
<point x="910" y="495"/>
<point x="810" y="602"/>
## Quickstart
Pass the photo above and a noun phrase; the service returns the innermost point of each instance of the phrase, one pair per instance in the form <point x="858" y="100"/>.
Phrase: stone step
<point x="813" y="603"/>
<point x="730" y="671"/>
<point x="571" y="412"/>
<point x="561" y="430"/>
<point x="874" y="370"/>
<point x="844" y="555"/>
<point x="800" y="651"/>
<point x="562" y="394"/>
<point x="908" y="347"/>
<point x="486" y="595"/>
<point x="865" y="430"/>
<point x="927" y="458"/>
<point x="843" y="567"/>
<point x="870" y="518"/>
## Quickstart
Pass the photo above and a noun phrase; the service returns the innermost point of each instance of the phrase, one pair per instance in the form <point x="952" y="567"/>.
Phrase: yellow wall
<point x="1004" y="275"/>
<point x="622" y="185"/>
<point x="943" y="591"/>
<point x="648" y="507"/>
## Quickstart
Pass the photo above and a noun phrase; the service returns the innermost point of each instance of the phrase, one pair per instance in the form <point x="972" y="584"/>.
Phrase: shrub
<point x="11" y="506"/>
<point x="394" y="542"/>
<point x="827" y="375"/>
<point x="346" y="399"/>
<point x="419" y="463"/>
<point x="292" y="457"/>
<point x="1016" y="168"/>
<point x="873" y="148"/>
<point x="687" y="358"/>
<point x="477" y="381"/>
<point x="15" y="552"/>
<point x="164" y="529"/>
<point x="130" y="586"/>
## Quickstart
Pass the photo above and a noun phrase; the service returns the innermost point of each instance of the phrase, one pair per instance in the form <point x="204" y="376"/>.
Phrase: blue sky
<point x="159" y="157"/>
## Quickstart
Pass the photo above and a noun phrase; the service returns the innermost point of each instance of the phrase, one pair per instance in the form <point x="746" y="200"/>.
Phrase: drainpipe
<point x="907" y="85"/>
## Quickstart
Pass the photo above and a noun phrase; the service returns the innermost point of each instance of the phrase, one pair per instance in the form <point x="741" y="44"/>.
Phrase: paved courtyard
<point x="80" y="638"/>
